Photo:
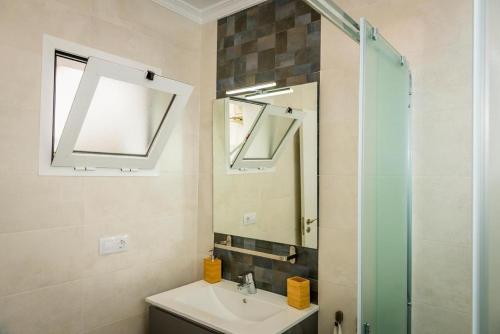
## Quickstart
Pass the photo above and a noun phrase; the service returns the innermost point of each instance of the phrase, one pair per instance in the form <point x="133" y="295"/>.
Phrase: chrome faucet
<point x="247" y="284"/>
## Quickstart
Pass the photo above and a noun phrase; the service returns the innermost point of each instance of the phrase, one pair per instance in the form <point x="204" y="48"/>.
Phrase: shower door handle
<point x="366" y="328"/>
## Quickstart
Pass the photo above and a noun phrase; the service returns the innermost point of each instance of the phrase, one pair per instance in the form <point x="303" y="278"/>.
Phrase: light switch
<point x="115" y="244"/>
<point x="249" y="218"/>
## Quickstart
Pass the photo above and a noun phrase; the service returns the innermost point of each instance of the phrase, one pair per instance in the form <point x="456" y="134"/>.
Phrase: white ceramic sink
<point x="222" y="307"/>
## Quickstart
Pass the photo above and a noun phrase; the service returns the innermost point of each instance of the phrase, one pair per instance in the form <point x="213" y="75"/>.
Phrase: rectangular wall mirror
<point x="265" y="165"/>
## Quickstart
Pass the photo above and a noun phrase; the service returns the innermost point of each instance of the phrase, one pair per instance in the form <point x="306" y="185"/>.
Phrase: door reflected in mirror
<point x="265" y="167"/>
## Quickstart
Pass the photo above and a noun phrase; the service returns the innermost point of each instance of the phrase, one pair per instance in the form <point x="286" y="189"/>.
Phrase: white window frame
<point x="67" y="162"/>
<point x="242" y="164"/>
<point x="227" y="121"/>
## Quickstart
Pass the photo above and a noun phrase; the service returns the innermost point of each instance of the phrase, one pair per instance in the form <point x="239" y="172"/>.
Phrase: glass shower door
<point x="384" y="188"/>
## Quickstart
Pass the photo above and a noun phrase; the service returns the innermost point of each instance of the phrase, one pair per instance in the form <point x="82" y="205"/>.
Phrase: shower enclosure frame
<point x="479" y="128"/>
<point x="351" y="28"/>
<point x="485" y="162"/>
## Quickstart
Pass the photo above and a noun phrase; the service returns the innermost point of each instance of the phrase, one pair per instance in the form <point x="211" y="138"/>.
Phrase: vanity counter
<point x="220" y="308"/>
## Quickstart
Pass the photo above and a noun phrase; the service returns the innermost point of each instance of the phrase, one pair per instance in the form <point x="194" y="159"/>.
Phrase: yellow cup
<point x="298" y="292"/>
<point x="212" y="270"/>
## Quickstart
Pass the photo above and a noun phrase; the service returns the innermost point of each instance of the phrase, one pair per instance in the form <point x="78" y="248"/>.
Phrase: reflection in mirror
<point x="271" y="132"/>
<point x="259" y="136"/>
<point x="242" y="117"/>
<point x="279" y="202"/>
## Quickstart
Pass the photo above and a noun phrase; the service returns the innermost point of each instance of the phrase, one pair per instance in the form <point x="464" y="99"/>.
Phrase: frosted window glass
<point x="385" y="209"/>
<point x="123" y="118"/>
<point x="68" y="75"/>
<point x="271" y="132"/>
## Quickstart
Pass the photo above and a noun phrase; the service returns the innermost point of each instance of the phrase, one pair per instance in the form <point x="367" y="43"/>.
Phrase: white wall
<point x="338" y="178"/>
<point x="207" y="97"/>
<point x="51" y="277"/>
<point x="436" y="37"/>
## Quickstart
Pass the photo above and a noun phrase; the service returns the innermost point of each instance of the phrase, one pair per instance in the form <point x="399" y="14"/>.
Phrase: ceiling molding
<point x="182" y="8"/>
<point x="211" y="13"/>
<point x="226" y="7"/>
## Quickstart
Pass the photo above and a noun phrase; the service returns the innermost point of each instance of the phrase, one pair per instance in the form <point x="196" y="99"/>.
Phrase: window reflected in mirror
<point x="265" y="166"/>
<point x="270" y="135"/>
<point x="258" y="132"/>
<point x="242" y="117"/>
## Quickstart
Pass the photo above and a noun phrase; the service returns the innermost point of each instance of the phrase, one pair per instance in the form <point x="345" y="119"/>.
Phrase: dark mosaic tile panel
<point x="265" y="29"/>
<point x="251" y="63"/>
<point x="285" y="24"/>
<point x="296" y="38"/>
<point x="270" y="275"/>
<point x="249" y="48"/>
<point x="266" y="43"/>
<point x="265" y="76"/>
<point x="266" y="60"/>
<point x="240" y="66"/>
<point x="242" y="81"/>
<point x="276" y="40"/>
<point x="303" y="20"/>
<point x="266" y="13"/>
<point x="281" y="40"/>
<point x="313" y="40"/>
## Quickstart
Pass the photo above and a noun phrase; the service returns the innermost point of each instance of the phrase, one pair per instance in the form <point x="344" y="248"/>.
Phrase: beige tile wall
<point x="208" y="95"/>
<point x="51" y="277"/>
<point x="436" y="37"/>
<point x="338" y="178"/>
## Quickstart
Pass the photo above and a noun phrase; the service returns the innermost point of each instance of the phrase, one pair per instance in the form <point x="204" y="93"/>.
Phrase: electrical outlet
<point x="249" y="218"/>
<point x="115" y="244"/>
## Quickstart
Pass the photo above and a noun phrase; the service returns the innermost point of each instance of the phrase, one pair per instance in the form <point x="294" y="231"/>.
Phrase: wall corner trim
<point x="210" y="13"/>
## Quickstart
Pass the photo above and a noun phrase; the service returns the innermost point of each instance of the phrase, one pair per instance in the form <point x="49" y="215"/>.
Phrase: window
<point x="258" y="132"/>
<point x="106" y="113"/>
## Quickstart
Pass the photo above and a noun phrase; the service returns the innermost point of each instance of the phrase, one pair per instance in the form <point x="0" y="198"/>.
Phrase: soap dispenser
<point x="212" y="268"/>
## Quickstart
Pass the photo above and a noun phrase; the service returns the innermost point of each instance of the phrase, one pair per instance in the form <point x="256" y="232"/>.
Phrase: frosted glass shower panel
<point x="384" y="187"/>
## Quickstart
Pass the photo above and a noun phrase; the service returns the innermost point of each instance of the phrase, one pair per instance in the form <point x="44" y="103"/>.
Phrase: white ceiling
<point x="202" y="11"/>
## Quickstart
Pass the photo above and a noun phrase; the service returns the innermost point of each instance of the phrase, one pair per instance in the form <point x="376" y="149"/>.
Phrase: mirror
<point x="265" y="166"/>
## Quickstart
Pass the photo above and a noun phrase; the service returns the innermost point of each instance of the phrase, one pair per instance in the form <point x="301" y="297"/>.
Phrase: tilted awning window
<point x="112" y="116"/>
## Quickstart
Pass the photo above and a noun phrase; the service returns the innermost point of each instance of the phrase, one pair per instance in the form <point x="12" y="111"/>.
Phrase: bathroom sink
<point x="221" y="307"/>
<point x="228" y="304"/>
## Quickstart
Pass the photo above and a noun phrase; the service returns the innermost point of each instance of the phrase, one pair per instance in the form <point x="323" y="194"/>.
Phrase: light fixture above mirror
<point x="269" y="93"/>
<point x="259" y="91"/>
<point x="254" y="88"/>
